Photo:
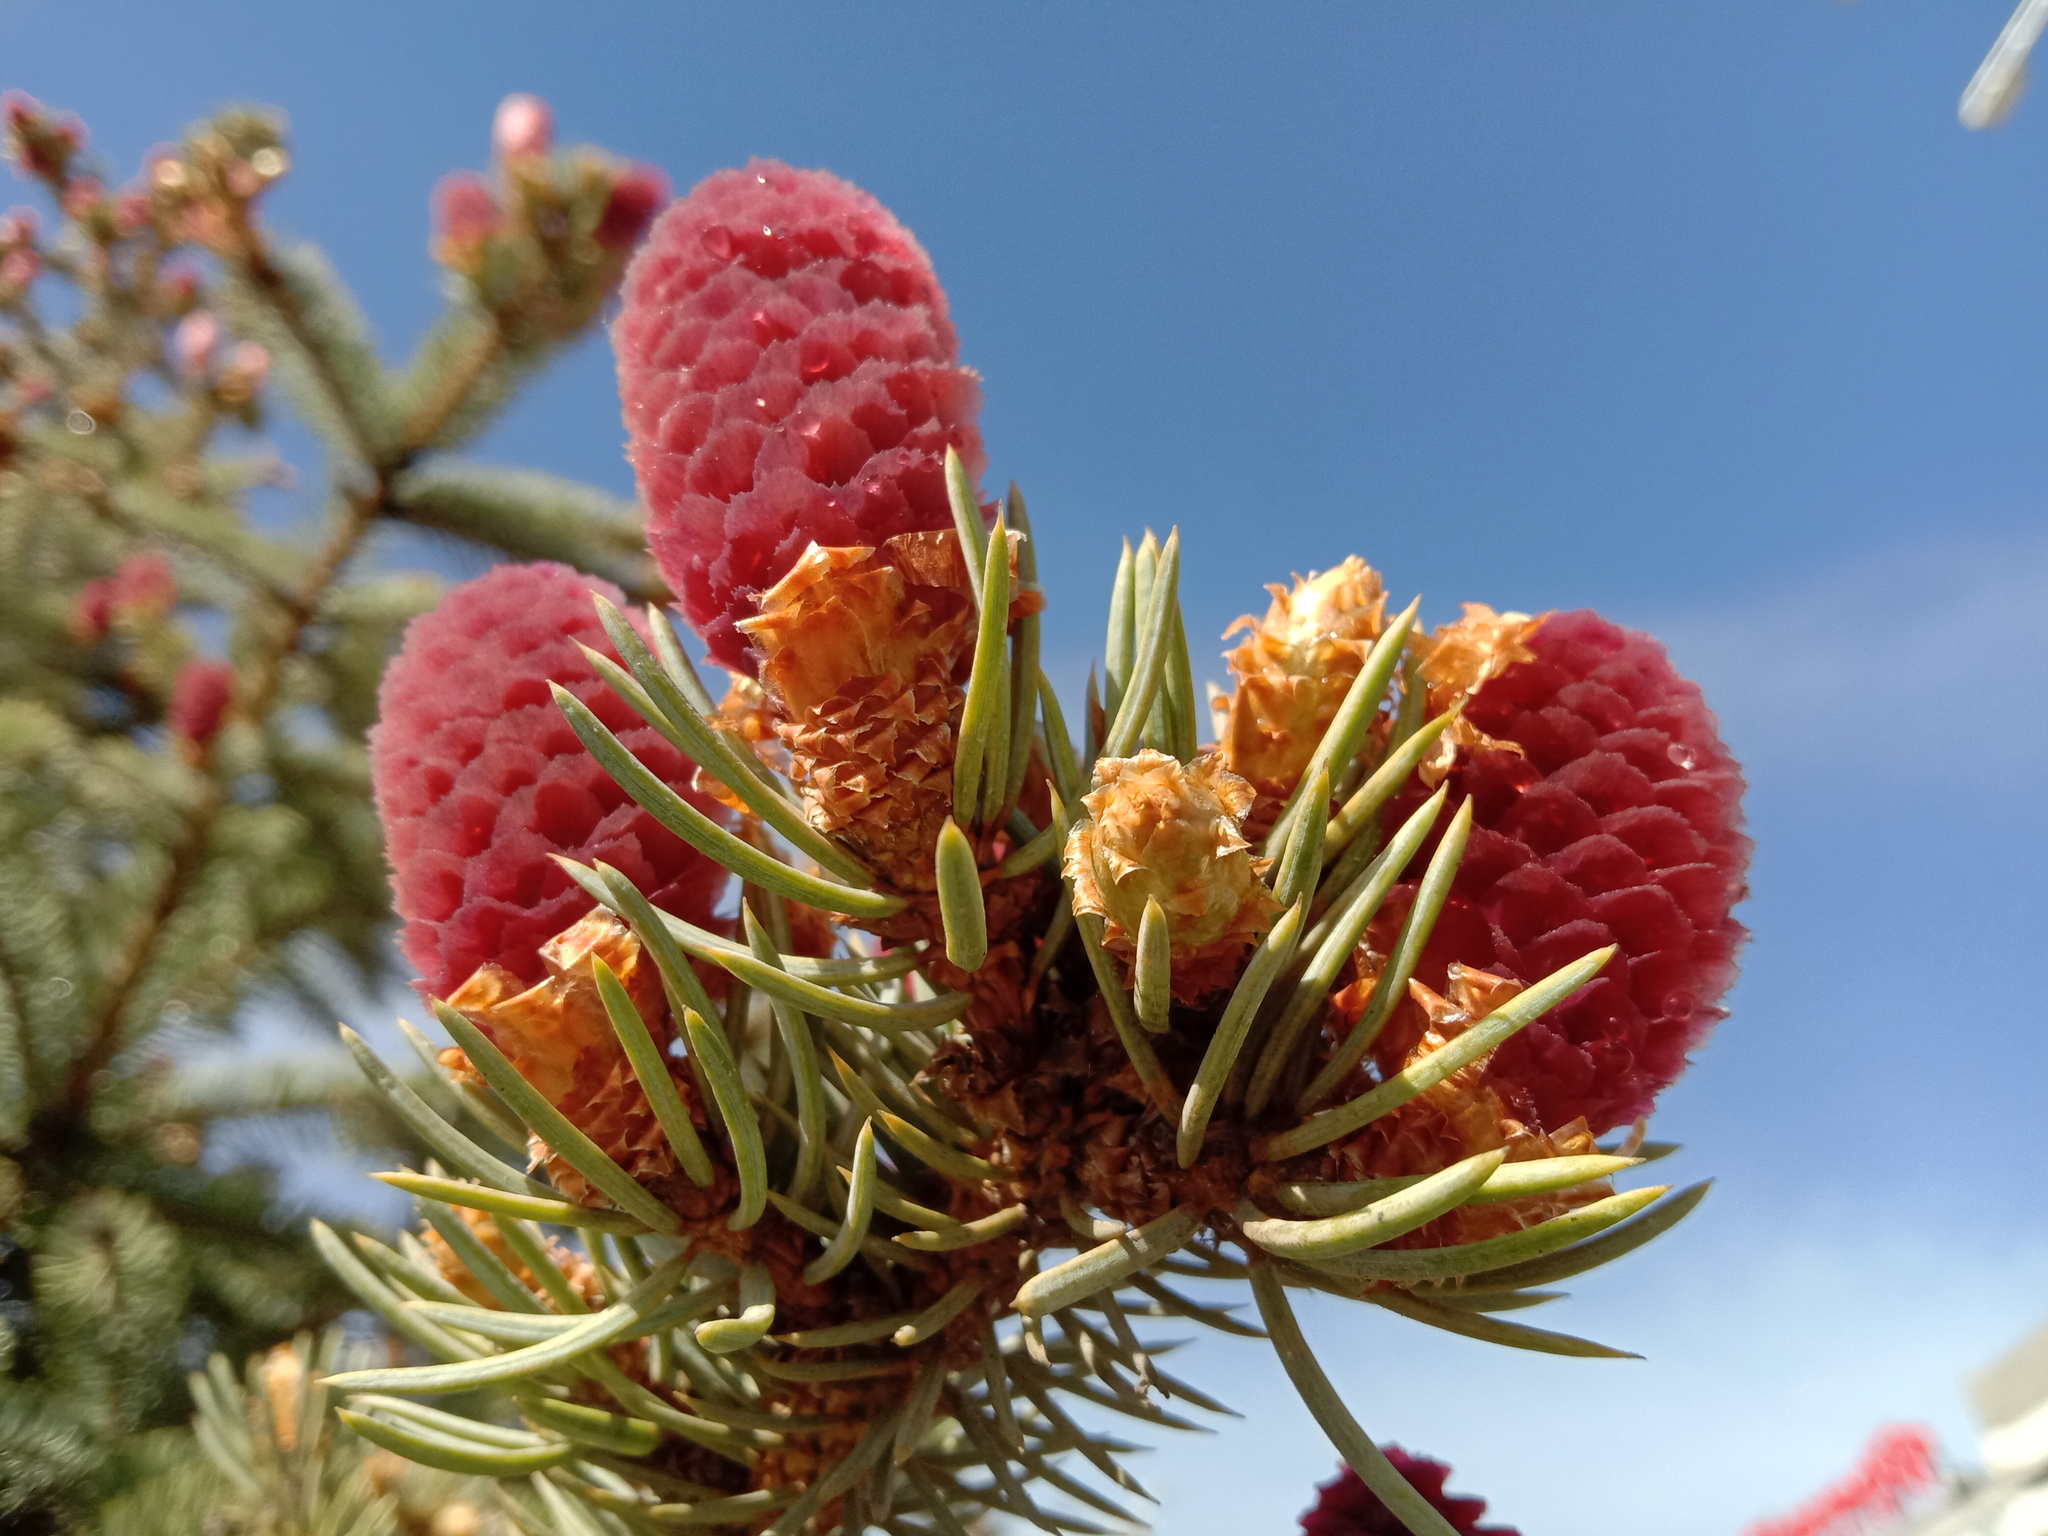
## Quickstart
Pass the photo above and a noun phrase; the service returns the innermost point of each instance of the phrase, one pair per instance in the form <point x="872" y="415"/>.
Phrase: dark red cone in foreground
<point x="789" y="375"/>
<point x="1620" y="822"/>
<point x="479" y="778"/>
<point x="1346" y="1507"/>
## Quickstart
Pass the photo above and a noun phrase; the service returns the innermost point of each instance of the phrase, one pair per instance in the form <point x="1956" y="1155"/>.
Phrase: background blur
<point x="1710" y="317"/>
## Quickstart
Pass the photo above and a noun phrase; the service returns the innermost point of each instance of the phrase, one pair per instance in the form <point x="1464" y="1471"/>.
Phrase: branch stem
<point x="189" y="853"/>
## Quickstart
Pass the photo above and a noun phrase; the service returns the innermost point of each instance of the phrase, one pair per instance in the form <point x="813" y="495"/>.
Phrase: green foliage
<point x="701" y="1363"/>
<point x="272" y="1460"/>
<point x="534" y="516"/>
<point x="164" y="857"/>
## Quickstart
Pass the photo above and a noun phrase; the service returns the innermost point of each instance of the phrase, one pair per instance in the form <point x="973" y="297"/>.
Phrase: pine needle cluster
<point x="848" y="1211"/>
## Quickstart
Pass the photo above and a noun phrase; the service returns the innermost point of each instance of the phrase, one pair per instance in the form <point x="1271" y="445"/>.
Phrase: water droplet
<point x="817" y="357"/>
<point x="1682" y="755"/>
<point x="81" y="423"/>
<point x="768" y="329"/>
<point x="718" y="241"/>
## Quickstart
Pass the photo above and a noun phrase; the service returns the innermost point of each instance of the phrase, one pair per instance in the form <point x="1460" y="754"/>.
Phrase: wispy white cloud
<point x="1768" y="1366"/>
<point x="1927" y="662"/>
<point x="1924" y="663"/>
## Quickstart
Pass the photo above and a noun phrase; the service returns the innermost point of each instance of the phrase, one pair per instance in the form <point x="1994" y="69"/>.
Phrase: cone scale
<point x="890" y="1167"/>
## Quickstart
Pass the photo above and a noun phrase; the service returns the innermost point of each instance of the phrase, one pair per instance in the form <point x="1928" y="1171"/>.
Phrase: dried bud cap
<point x="193" y="344"/>
<point x="1458" y="1116"/>
<point x="199" y="701"/>
<point x="1156" y="829"/>
<point x="635" y="198"/>
<point x="1457" y="661"/>
<point x="284" y="1383"/>
<point x="1462" y="657"/>
<point x="524" y="126"/>
<point x="456" y="1273"/>
<point x="1293" y="673"/>
<point x="864" y="659"/>
<point x="559" y="1036"/>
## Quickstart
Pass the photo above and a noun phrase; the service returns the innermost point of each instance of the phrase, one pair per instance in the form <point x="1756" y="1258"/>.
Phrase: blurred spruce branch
<point x="272" y="1457"/>
<point x="184" y="691"/>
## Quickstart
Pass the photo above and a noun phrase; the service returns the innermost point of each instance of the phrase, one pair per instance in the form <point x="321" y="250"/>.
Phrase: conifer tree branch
<point x="532" y="515"/>
<point x="189" y="853"/>
<point x="452" y="391"/>
<point x="266" y="282"/>
<point x="180" y="827"/>
<point x="133" y="505"/>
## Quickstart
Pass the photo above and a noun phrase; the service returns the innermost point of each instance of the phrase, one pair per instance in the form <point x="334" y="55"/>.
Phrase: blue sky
<point x="1707" y="316"/>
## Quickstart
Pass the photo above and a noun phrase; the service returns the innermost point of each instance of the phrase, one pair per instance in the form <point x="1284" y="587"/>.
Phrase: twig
<point x="277" y="293"/>
<point x="188" y="856"/>
<point x="434" y="413"/>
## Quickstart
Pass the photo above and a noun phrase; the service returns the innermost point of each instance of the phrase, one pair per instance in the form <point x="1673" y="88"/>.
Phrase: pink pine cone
<point x="1622" y="824"/>
<point x="479" y="778"/>
<point x="1346" y="1507"/>
<point x="200" y="695"/>
<point x="142" y="589"/>
<point x="789" y="375"/>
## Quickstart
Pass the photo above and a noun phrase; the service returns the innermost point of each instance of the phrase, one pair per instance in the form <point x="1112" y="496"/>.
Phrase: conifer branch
<point x="449" y="387"/>
<point x="267" y="282"/>
<point x="189" y="853"/>
<point x="533" y="516"/>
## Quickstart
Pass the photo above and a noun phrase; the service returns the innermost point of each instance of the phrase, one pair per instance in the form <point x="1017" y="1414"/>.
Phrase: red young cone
<point x="1618" y="822"/>
<point x="523" y="127"/>
<point x="635" y="198"/>
<point x="1346" y="1507"/>
<point x="789" y="376"/>
<point x="466" y="215"/>
<point x="200" y="696"/>
<point x="141" y="590"/>
<point x="479" y="779"/>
